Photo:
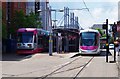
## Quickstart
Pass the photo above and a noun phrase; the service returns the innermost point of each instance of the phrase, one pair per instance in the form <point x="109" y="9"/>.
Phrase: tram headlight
<point x="30" y="46"/>
<point x="18" y="45"/>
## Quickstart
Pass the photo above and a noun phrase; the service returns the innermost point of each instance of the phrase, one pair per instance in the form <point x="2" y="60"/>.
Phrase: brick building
<point x="8" y="12"/>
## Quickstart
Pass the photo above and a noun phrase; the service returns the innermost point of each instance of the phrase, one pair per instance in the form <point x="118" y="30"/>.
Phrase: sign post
<point x="107" y="40"/>
<point x="114" y="29"/>
<point x="105" y="26"/>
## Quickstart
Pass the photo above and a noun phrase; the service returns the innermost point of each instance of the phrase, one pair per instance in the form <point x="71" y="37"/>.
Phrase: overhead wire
<point x="87" y="8"/>
<point x="88" y="11"/>
<point x="60" y="21"/>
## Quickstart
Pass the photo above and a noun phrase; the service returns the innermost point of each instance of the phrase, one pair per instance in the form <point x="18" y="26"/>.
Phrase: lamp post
<point x="50" y="34"/>
<point x="56" y="10"/>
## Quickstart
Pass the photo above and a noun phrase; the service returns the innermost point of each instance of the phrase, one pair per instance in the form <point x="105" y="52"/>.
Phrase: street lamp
<point x="79" y="9"/>
<point x="56" y="10"/>
<point x="50" y="34"/>
<point x="39" y="10"/>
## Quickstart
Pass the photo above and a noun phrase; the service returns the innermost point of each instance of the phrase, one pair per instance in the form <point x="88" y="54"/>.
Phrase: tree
<point x="33" y="20"/>
<point x="17" y="22"/>
<point x="111" y="39"/>
<point x="4" y="31"/>
<point x="21" y="20"/>
<point x="100" y="31"/>
<point x="104" y="35"/>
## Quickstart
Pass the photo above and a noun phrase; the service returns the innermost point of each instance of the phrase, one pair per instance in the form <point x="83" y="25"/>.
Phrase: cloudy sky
<point x="99" y="10"/>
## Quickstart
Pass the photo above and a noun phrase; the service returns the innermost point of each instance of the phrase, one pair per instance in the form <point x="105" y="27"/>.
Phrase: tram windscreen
<point x="25" y="37"/>
<point x="88" y="39"/>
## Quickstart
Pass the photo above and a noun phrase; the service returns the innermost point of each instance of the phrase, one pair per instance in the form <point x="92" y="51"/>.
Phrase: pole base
<point x="112" y="61"/>
<point x="50" y="54"/>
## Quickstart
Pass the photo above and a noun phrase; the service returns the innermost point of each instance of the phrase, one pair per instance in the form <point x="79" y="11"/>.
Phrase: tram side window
<point x="80" y="41"/>
<point x="97" y="40"/>
<point x="35" y="40"/>
<point x="40" y="41"/>
<point x="45" y="41"/>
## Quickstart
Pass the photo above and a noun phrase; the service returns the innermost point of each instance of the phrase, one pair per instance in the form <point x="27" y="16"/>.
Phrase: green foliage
<point x="33" y="20"/>
<point x="4" y="31"/>
<point x="104" y="35"/>
<point x="3" y="27"/>
<point x="17" y="22"/>
<point x="21" y="20"/>
<point x="100" y="31"/>
<point x="111" y="39"/>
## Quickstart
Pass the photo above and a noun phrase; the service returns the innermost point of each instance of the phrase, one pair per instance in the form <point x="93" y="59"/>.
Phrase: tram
<point x="32" y="40"/>
<point x="89" y="42"/>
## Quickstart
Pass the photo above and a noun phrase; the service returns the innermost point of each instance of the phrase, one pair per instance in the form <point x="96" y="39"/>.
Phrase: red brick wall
<point x="18" y="6"/>
<point x="14" y="6"/>
<point x="4" y="12"/>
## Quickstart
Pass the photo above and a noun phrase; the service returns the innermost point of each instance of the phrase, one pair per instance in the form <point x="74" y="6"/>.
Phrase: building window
<point x="8" y="11"/>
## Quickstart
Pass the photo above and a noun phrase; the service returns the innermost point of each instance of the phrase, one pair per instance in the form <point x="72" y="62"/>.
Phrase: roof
<point x="97" y="26"/>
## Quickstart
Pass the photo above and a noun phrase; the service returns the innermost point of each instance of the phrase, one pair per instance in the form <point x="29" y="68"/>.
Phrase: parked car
<point x="111" y="46"/>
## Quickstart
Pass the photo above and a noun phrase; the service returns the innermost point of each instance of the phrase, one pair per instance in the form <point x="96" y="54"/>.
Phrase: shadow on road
<point x="14" y="57"/>
<point x="102" y="53"/>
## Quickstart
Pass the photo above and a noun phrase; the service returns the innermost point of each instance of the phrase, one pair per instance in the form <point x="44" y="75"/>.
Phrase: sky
<point x="99" y="11"/>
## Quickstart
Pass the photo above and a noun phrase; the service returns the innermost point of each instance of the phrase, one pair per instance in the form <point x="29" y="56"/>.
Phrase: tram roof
<point x="89" y="30"/>
<point x="28" y="29"/>
<point x="32" y="29"/>
<point x="42" y="31"/>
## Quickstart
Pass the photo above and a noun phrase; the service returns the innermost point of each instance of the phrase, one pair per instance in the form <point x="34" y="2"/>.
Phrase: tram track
<point x="43" y="77"/>
<point x="57" y="71"/>
<point x="64" y="65"/>
<point x="83" y="68"/>
<point x="75" y="66"/>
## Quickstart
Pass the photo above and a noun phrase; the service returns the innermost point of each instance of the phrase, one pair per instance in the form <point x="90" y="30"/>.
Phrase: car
<point x="111" y="46"/>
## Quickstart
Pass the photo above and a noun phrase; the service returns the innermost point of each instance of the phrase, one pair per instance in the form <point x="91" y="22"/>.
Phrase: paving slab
<point x="42" y="63"/>
<point x="99" y="68"/>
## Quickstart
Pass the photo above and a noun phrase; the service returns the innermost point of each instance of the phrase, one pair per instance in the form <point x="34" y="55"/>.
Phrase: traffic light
<point x="114" y="28"/>
<point x="116" y="43"/>
<point x="37" y="6"/>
